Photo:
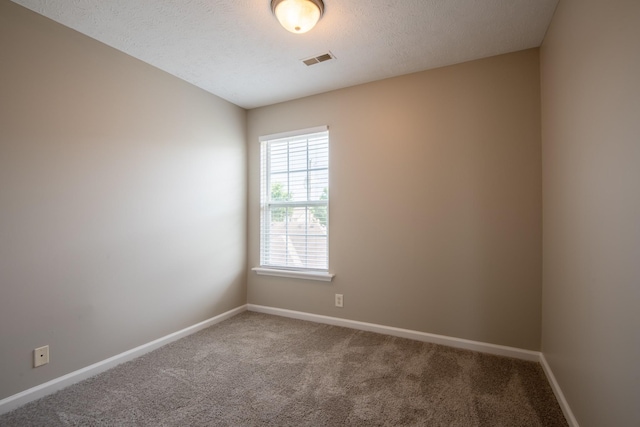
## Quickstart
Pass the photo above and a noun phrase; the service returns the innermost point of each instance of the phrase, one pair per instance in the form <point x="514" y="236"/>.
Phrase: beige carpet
<point x="261" y="370"/>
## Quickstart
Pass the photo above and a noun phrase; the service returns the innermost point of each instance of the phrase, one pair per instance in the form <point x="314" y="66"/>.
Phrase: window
<point x="294" y="219"/>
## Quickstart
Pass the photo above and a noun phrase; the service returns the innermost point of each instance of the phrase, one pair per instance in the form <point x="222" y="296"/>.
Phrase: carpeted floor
<point x="262" y="370"/>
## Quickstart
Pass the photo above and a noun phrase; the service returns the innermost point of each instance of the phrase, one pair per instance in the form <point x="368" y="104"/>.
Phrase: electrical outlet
<point x="339" y="300"/>
<point x="40" y="356"/>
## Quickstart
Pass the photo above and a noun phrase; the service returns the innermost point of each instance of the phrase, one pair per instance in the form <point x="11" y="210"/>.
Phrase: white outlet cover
<point x="40" y="356"/>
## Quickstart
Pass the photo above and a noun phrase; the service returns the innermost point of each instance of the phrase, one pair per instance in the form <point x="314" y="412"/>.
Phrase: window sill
<point x="293" y="274"/>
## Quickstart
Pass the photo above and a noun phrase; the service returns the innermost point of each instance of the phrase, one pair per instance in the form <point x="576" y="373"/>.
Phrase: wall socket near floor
<point x="40" y="356"/>
<point x="339" y="300"/>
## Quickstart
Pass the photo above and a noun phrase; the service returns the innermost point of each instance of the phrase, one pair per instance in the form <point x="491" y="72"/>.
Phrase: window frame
<point x="265" y="203"/>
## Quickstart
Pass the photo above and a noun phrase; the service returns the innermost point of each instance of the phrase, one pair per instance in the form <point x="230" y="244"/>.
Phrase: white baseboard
<point x="499" y="350"/>
<point x="566" y="409"/>
<point x="12" y="402"/>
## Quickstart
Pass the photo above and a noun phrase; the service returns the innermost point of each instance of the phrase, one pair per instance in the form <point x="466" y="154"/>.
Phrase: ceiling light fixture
<point x="298" y="16"/>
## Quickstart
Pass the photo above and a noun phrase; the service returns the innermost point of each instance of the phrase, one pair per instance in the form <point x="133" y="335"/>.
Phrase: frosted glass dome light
<point x="297" y="16"/>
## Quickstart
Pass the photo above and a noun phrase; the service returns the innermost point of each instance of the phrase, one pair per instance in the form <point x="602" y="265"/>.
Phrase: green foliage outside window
<point x="320" y="212"/>
<point x="279" y="195"/>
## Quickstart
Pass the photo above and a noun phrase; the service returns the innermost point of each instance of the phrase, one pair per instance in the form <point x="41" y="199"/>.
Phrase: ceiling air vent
<point x="318" y="59"/>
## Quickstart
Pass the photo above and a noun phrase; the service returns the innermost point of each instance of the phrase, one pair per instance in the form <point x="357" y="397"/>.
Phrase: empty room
<point x="320" y="213"/>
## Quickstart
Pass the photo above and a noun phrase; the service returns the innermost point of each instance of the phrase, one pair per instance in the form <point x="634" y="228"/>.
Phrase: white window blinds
<point x="295" y="200"/>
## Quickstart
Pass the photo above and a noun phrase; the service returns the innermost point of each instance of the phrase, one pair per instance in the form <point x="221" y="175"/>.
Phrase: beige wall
<point x="590" y="70"/>
<point x="122" y="197"/>
<point x="435" y="204"/>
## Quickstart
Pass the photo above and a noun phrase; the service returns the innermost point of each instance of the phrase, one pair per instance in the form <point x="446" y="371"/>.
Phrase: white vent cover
<point x="318" y="59"/>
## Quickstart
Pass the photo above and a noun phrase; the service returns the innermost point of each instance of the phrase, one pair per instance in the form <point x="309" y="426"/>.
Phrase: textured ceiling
<point x="237" y="50"/>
